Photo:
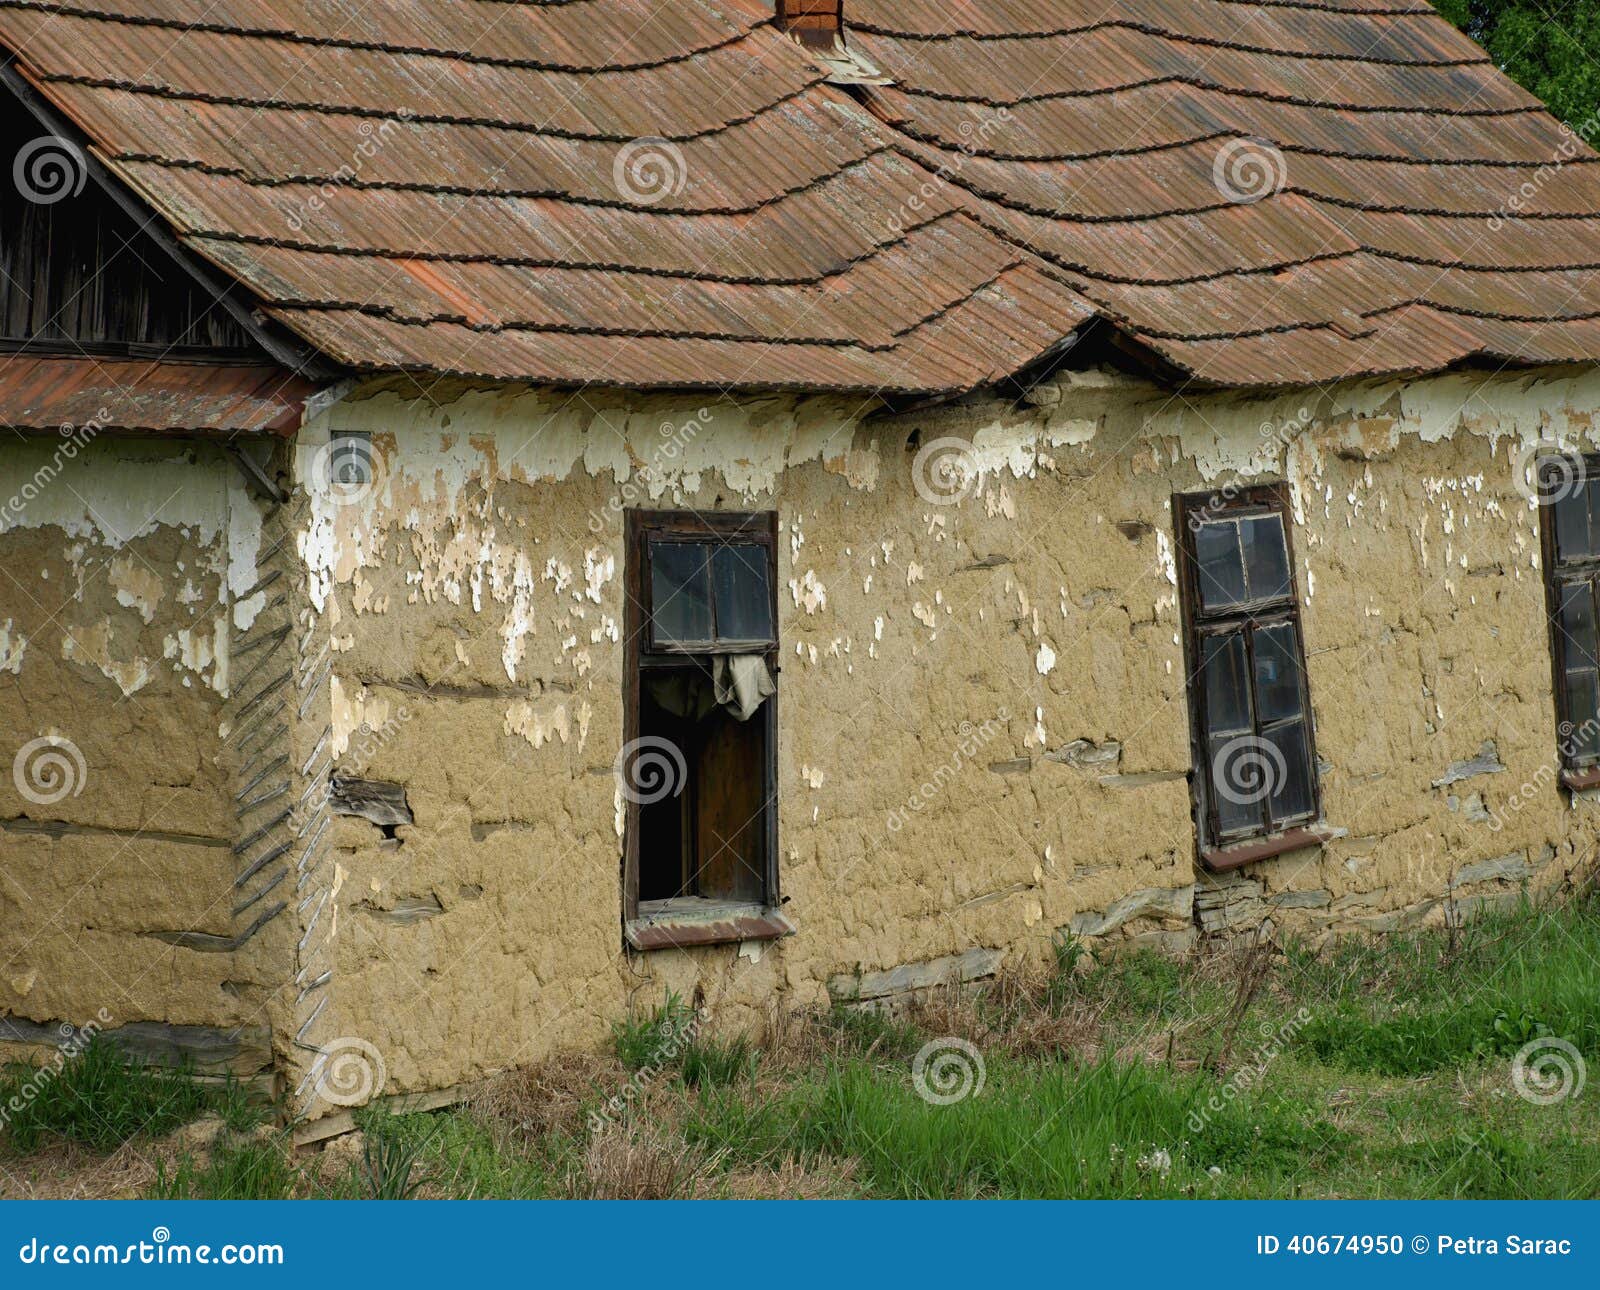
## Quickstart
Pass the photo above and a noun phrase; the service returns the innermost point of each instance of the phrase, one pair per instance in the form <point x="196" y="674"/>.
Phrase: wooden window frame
<point x="755" y="921"/>
<point x="1217" y="851"/>
<point x="1577" y="773"/>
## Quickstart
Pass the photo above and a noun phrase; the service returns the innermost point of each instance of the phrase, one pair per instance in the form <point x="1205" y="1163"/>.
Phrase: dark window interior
<point x="1254" y="755"/>
<point x="1570" y="493"/>
<point x="78" y="274"/>
<point x="701" y="603"/>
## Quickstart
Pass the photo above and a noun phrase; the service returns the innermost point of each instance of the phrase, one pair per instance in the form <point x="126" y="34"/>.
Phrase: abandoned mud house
<point x="511" y="508"/>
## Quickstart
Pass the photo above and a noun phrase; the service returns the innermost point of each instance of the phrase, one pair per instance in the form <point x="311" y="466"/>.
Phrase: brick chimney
<point x="818" y="24"/>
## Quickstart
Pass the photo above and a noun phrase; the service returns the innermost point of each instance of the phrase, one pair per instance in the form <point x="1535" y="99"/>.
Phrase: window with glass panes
<point x="1569" y="493"/>
<point x="1250" y="713"/>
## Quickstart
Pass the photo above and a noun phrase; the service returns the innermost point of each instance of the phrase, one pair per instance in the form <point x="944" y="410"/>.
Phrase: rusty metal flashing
<point x="676" y="924"/>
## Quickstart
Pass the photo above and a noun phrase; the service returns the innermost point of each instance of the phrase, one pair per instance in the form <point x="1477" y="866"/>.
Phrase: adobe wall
<point x="123" y="568"/>
<point x="983" y="721"/>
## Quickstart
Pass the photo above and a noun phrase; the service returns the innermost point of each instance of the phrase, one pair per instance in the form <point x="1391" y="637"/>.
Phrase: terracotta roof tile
<point x="1265" y="193"/>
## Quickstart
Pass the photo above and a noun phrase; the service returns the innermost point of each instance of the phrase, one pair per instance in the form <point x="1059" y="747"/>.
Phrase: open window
<point x="1254" y="754"/>
<point x="698" y="770"/>
<point x="1569" y="496"/>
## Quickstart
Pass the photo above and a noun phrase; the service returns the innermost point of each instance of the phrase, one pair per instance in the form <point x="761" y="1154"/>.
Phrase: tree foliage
<point x="1551" y="47"/>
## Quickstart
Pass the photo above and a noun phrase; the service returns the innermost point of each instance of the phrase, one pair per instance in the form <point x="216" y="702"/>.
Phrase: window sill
<point x="1221" y="859"/>
<point x="694" y="920"/>
<point x="1578" y="780"/>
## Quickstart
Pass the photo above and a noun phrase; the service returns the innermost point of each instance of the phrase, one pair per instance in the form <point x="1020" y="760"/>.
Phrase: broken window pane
<point x="1221" y="572"/>
<point x="1277" y="672"/>
<point x="1222" y="664"/>
<point x="1266" y="557"/>
<point x="680" y="592"/>
<point x="744" y="595"/>
<point x="1291" y="771"/>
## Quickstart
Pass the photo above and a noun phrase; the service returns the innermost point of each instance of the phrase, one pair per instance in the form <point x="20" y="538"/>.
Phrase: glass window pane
<point x="1222" y="671"/>
<point x="1236" y="784"/>
<point x="1289" y="766"/>
<point x="1266" y="556"/>
<point x="680" y="591"/>
<point x="744" y="594"/>
<point x="1577" y="625"/>
<point x="1592" y="490"/>
<point x="1221" y="574"/>
<point x="1580" y="734"/>
<point x="1572" y="526"/>
<point x="1277" y="673"/>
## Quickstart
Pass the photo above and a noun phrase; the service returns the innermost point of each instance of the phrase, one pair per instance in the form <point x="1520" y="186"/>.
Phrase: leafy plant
<point x="388" y="1167"/>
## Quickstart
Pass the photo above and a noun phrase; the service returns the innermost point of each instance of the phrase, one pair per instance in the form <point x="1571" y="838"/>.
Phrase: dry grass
<point x="65" y="1170"/>
<point x="523" y="1106"/>
<point x="642" y="1161"/>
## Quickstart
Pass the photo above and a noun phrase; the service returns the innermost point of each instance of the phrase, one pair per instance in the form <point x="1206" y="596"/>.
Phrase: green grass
<point x="100" y="1098"/>
<point x="1377" y="1068"/>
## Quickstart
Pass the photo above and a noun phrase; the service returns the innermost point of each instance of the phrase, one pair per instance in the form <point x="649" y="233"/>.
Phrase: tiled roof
<point x="54" y="393"/>
<point x="640" y="193"/>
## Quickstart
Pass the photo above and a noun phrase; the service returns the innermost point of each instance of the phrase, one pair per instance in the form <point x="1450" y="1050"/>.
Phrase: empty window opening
<point x="699" y="768"/>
